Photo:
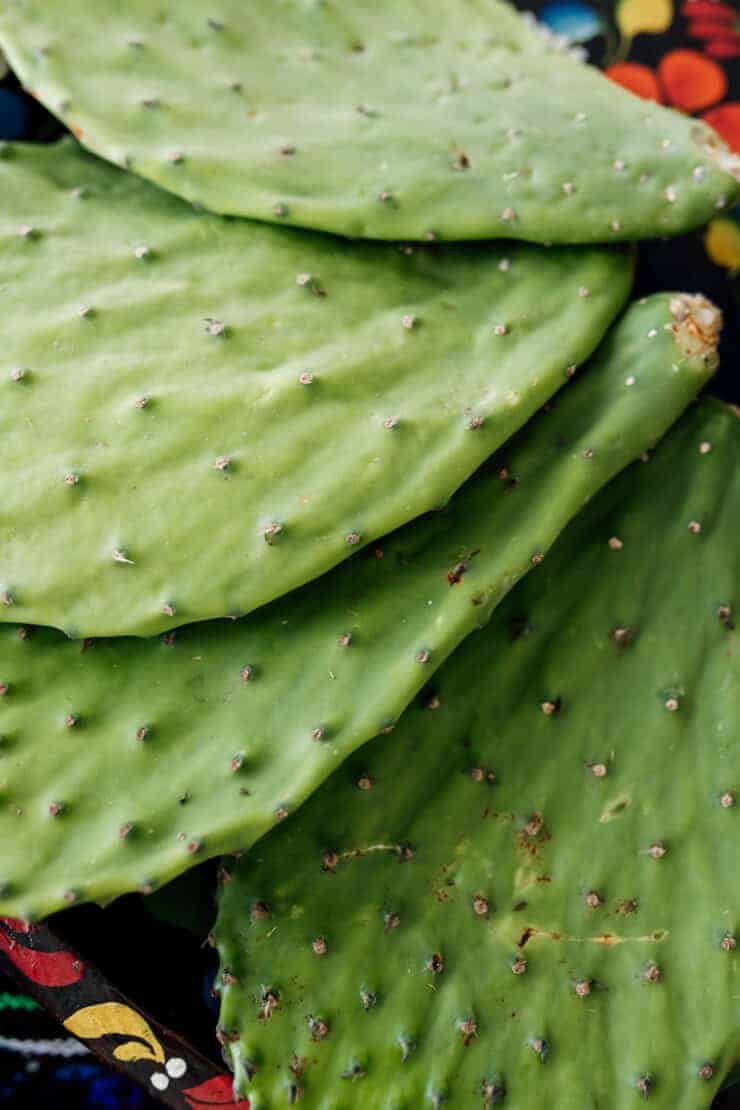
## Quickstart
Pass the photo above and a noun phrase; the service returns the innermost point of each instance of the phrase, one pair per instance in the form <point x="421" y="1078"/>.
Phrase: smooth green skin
<point x="315" y="459"/>
<point x="177" y="786"/>
<point x="552" y="638"/>
<point x="430" y="118"/>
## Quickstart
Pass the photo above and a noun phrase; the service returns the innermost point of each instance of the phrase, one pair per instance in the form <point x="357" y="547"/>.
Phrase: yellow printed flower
<point x="649" y="16"/>
<point x="722" y="242"/>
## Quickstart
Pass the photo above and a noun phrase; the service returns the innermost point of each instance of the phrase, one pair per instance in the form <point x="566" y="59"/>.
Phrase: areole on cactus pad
<point x="529" y="896"/>
<point x="124" y="761"/>
<point x="443" y="119"/>
<point x="200" y="414"/>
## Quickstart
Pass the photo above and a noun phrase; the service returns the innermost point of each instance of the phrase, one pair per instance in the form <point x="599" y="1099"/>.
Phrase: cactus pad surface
<point x="444" y="119"/>
<point x="200" y="414"/>
<point x="125" y="761"/>
<point x="528" y="897"/>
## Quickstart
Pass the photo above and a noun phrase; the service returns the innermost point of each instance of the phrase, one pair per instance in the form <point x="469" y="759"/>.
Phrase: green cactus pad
<point x="529" y="896"/>
<point x="126" y="761"/>
<point x="447" y="118"/>
<point x="200" y="414"/>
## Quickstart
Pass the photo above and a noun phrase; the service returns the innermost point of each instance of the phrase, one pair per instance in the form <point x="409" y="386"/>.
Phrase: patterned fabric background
<point x="685" y="53"/>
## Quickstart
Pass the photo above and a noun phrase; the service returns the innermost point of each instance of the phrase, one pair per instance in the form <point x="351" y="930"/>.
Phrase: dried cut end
<point x="696" y="327"/>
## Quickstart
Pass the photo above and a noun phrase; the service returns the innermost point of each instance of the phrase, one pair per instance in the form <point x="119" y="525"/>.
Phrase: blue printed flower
<point x="572" y="20"/>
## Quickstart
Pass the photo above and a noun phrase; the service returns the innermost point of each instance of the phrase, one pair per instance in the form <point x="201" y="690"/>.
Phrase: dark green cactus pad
<point x="200" y="414"/>
<point x="447" y="118"/>
<point x="529" y="896"/>
<point x="125" y="761"/>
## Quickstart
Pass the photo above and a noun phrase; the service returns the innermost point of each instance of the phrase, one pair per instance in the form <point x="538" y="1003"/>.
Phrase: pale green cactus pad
<point x="200" y="414"/>
<point x="125" y="761"/>
<point x="529" y="896"/>
<point x="436" y="119"/>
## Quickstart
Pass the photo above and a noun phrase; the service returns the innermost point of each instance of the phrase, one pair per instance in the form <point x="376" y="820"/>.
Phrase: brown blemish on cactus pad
<point x="526" y="936"/>
<point x="644" y="1085"/>
<point x="456" y="574"/>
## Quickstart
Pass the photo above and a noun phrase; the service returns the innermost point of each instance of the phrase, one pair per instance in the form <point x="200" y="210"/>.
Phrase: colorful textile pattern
<point x="91" y="1017"/>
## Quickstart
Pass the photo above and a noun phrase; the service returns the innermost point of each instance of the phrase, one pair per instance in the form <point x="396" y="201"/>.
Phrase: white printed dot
<point x="176" y="1067"/>
<point x="159" y="1081"/>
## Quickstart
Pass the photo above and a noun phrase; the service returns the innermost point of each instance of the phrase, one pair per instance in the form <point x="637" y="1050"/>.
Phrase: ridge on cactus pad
<point x="124" y="762"/>
<point x="200" y="414"/>
<point x="448" y="119"/>
<point x="528" y="897"/>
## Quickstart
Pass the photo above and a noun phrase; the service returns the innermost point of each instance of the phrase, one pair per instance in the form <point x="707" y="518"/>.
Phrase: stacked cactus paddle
<point x="316" y="552"/>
